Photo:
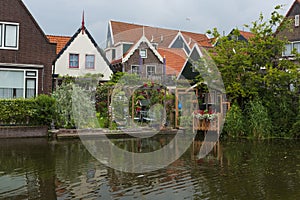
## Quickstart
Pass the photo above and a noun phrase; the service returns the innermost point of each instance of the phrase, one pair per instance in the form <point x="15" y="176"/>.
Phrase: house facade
<point x="150" y="51"/>
<point x="26" y="55"/>
<point x="291" y="33"/>
<point x="80" y="55"/>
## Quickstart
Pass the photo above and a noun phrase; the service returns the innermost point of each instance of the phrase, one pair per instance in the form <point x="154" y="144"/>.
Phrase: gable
<point x="34" y="49"/>
<point x="83" y="45"/>
<point x="180" y="43"/>
<point x="143" y="40"/>
<point x="286" y="33"/>
<point x="33" y="44"/>
<point x="187" y="71"/>
<point x="294" y="9"/>
<point x="23" y="16"/>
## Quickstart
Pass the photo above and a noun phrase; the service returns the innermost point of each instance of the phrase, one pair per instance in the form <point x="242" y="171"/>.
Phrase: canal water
<point x="234" y="169"/>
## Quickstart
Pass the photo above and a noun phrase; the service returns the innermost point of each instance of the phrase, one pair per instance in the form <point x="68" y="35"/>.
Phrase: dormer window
<point x="9" y="35"/>
<point x="143" y="53"/>
<point x="296" y="20"/>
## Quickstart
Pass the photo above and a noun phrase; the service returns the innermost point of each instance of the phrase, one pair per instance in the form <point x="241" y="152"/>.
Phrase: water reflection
<point x="41" y="169"/>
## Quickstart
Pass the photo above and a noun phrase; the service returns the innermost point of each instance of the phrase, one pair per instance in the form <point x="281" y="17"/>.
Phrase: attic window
<point x="74" y="60"/>
<point x="143" y="53"/>
<point x="296" y="20"/>
<point x="9" y="35"/>
<point x="90" y="61"/>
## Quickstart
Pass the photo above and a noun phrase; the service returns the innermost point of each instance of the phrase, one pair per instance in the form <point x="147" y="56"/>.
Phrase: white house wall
<point x="82" y="45"/>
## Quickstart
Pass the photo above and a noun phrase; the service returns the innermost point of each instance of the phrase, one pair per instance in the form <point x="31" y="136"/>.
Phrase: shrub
<point x="258" y="120"/>
<point x="234" y="123"/>
<point x="27" y="112"/>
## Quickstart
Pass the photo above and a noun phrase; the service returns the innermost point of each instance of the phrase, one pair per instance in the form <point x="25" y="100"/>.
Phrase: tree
<point x="254" y="70"/>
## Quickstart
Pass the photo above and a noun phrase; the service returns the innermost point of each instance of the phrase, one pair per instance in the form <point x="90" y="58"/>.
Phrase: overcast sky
<point x="63" y="17"/>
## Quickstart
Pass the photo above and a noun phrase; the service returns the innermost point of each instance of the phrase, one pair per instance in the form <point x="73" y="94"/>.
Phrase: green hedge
<point x="28" y="112"/>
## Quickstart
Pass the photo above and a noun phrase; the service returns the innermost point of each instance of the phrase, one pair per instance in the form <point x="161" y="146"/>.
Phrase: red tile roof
<point x="126" y="32"/>
<point x="175" y="59"/>
<point x="201" y="39"/>
<point x="60" y="41"/>
<point x="246" y="35"/>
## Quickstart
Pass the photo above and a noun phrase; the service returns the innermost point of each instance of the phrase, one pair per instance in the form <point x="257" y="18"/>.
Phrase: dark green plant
<point x="234" y="122"/>
<point x="295" y="131"/>
<point x="258" y="121"/>
<point x="27" y="112"/>
<point x="45" y="110"/>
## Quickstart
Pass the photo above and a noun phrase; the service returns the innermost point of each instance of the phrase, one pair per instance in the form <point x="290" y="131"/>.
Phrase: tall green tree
<point x="255" y="69"/>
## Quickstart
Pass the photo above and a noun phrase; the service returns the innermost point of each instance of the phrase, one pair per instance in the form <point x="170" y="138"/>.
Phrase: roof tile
<point x="175" y="59"/>
<point x="60" y="41"/>
<point x="126" y="32"/>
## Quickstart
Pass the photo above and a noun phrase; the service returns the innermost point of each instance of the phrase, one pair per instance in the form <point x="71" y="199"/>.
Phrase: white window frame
<point x="87" y="62"/>
<point x="26" y="76"/>
<point x="3" y="38"/>
<point x="292" y="46"/>
<point x="143" y="53"/>
<point x="147" y="70"/>
<point x="296" y="20"/>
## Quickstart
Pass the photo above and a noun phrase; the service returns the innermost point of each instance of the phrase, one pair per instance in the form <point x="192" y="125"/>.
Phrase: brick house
<point x="291" y="33"/>
<point x="26" y="55"/>
<point x="150" y="51"/>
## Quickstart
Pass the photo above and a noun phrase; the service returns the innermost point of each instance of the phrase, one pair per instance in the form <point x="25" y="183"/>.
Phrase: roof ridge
<point x="141" y="25"/>
<point x="50" y="35"/>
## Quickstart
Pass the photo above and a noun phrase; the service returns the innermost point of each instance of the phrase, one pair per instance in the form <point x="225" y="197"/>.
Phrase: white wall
<point x="82" y="45"/>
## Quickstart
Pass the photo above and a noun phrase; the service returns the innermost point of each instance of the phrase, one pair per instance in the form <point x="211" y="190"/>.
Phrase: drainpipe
<point x="43" y="73"/>
<point x="53" y="73"/>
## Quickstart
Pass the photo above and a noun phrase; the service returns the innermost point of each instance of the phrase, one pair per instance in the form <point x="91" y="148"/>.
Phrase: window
<point x="288" y="50"/>
<point x="30" y="87"/>
<point x="150" y="71"/>
<point x="74" y="61"/>
<point x="143" y="53"/>
<point x="18" y="83"/>
<point x="290" y="47"/>
<point x="1" y="35"/>
<point x="135" y="69"/>
<point x="9" y="35"/>
<point x="296" y="20"/>
<point x="90" y="61"/>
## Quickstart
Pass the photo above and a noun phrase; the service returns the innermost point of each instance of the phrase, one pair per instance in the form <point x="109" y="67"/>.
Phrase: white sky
<point x="63" y="17"/>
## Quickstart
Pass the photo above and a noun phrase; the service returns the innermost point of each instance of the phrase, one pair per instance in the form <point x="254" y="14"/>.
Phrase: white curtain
<point x="10" y="36"/>
<point x="10" y="81"/>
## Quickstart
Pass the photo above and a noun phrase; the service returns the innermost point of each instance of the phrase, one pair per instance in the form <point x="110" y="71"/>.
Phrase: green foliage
<point x="234" y="123"/>
<point x="258" y="122"/>
<point x="83" y="108"/>
<point x="34" y="111"/>
<point x="186" y="121"/>
<point x="74" y="107"/>
<point x="45" y="109"/>
<point x="254" y="69"/>
<point x="63" y="96"/>
<point x="295" y="131"/>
